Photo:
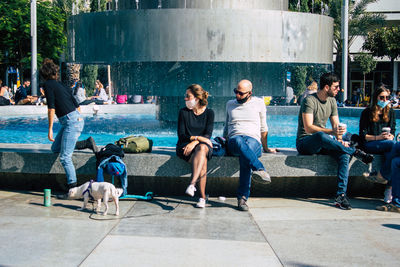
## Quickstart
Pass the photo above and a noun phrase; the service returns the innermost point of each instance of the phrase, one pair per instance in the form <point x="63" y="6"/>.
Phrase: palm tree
<point x="360" y="23"/>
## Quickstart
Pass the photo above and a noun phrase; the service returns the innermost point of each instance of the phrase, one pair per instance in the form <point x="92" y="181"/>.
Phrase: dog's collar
<point x="88" y="190"/>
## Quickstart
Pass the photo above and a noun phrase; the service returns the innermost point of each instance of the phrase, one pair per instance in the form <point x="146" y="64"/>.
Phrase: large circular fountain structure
<point x="159" y="47"/>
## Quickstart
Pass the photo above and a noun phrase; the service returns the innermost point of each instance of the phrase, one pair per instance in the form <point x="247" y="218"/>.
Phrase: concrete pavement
<point x="170" y="231"/>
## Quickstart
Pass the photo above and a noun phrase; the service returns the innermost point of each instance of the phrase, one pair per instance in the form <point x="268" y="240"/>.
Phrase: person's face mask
<point x="383" y="104"/>
<point x="191" y="104"/>
<point x="243" y="100"/>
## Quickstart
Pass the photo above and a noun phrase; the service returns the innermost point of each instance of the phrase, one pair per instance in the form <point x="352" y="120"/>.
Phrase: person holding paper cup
<point x="377" y="131"/>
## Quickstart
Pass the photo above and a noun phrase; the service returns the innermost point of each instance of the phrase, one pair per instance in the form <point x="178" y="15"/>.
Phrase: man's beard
<point x="331" y="93"/>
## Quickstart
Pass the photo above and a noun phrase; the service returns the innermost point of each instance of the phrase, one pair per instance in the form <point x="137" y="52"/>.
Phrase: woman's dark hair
<point x="375" y="108"/>
<point x="49" y="70"/>
<point x="199" y="93"/>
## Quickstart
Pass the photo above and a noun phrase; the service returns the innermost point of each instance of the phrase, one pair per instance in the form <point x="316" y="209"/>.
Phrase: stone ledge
<point x="162" y="162"/>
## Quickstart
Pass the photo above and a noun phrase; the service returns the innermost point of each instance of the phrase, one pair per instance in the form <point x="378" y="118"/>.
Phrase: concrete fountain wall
<point x="160" y="47"/>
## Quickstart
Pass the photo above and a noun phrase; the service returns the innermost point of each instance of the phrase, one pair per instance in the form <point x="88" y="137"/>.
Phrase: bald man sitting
<point x="246" y="131"/>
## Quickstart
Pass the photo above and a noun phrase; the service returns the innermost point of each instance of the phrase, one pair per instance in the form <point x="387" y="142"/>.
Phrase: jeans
<point x="64" y="143"/>
<point x="382" y="147"/>
<point x="248" y="150"/>
<point x="391" y="166"/>
<point x="322" y="143"/>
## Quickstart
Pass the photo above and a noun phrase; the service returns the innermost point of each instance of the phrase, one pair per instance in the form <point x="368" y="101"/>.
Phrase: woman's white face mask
<point x="191" y="104"/>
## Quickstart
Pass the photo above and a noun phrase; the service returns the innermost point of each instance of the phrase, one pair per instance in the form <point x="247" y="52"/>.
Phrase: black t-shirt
<point x="59" y="98"/>
<point x="190" y="124"/>
<point x="375" y="128"/>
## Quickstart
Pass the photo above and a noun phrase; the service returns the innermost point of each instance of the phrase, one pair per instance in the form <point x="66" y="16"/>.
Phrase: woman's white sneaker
<point x="190" y="190"/>
<point x="201" y="203"/>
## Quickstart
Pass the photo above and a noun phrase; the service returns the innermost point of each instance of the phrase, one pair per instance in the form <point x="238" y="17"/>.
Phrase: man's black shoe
<point x="72" y="185"/>
<point x="364" y="157"/>
<point x="342" y="202"/>
<point x="88" y="143"/>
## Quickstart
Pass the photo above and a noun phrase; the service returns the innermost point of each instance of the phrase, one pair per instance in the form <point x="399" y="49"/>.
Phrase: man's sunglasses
<point x="382" y="97"/>
<point x="240" y="93"/>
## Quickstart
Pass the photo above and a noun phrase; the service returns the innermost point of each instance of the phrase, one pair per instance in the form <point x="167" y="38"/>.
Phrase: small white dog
<point x="97" y="191"/>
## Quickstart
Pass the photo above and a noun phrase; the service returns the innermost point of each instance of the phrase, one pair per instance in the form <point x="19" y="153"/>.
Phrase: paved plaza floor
<point x="170" y="231"/>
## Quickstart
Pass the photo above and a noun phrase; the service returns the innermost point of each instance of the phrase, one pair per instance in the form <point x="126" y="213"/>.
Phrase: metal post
<point x="109" y="81"/>
<point x="395" y="76"/>
<point x="34" y="81"/>
<point x="345" y="41"/>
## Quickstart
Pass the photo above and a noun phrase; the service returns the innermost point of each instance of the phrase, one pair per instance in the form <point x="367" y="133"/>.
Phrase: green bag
<point x="135" y="144"/>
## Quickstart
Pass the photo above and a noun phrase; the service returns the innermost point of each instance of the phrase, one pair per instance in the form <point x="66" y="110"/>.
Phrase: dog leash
<point x="88" y="191"/>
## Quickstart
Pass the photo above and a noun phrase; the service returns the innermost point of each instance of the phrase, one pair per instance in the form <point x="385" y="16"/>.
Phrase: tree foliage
<point x="15" y="32"/>
<point x="384" y="42"/>
<point x="366" y="62"/>
<point x="88" y="77"/>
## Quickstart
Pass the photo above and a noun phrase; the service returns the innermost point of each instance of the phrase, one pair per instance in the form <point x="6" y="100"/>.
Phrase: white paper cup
<point x="386" y="130"/>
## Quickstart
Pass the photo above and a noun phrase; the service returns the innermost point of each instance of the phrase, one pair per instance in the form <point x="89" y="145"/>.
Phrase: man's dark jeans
<point x="322" y="143"/>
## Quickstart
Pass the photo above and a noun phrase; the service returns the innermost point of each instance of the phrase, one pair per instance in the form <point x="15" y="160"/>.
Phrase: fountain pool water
<point x="108" y="128"/>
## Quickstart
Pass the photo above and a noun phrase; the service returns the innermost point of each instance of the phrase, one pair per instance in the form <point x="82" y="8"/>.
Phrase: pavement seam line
<point x="107" y="234"/>
<point x="266" y="240"/>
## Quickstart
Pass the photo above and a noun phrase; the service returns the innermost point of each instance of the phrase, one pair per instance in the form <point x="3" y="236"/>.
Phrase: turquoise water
<point x="109" y="128"/>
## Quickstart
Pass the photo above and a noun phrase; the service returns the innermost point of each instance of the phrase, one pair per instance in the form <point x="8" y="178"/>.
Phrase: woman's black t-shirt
<point x="59" y="98"/>
<point x="375" y="128"/>
<point x="190" y="124"/>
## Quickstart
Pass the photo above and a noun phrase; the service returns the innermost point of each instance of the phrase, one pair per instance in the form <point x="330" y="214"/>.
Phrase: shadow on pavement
<point x="393" y="226"/>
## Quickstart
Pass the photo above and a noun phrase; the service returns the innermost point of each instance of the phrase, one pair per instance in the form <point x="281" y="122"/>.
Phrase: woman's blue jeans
<point x="383" y="147"/>
<point x="248" y="150"/>
<point x="390" y="169"/>
<point x="64" y="143"/>
<point x="322" y="143"/>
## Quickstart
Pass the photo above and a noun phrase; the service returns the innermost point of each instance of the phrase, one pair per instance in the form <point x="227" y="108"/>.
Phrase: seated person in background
<point x="311" y="89"/>
<point x="21" y="96"/>
<point x="396" y="100"/>
<point x="3" y="100"/>
<point x="6" y="94"/>
<point x="121" y="99"/>
<point x="137" y="99"/>
<point x="42" y="97"/>
<point x="150" y="99"/>
<point x="100" y="95"/>
<point x="79" y="94"/>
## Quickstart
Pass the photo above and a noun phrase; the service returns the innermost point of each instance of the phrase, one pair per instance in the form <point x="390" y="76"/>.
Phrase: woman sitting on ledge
<point x="195" y="126"/>
<point x="377" y="129"/>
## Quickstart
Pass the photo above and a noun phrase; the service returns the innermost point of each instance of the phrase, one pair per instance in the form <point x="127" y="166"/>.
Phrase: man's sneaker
<point x="387" y="194"/>
<point x="242" y="204"/>
<point x="201" y="203"/>
<point x="342" y="202"/>
<point x="190" y="190"/>
<point x="364" y="157"/>
<point x="375" y="177"/>
<point x="261" y="176"/>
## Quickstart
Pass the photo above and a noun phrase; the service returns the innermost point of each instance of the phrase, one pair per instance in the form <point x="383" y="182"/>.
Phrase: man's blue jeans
<point x="382" y="147"/>
<point x="64" y="143"/>
<point x="322" y="143"/>
<point x="248" y="150"/>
